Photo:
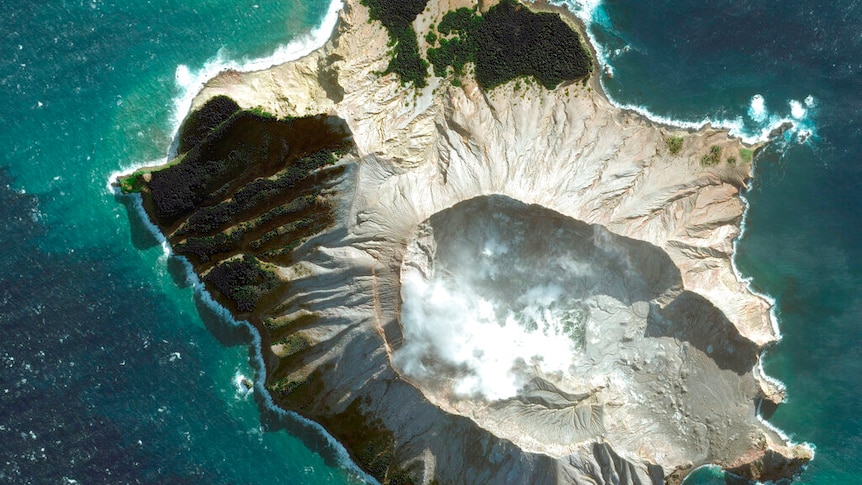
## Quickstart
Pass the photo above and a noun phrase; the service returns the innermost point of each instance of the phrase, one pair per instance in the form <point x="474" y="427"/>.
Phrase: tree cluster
<point x="507" y="42"/>
<point x="243" y="282"/>
<point x="201" y="122"/>
<point x="222" y="157"/>
<point x="245" y="147"/>
<point x="397" y="17"/>
<point x="293" y="182"/>
<point x="247" y="190"/>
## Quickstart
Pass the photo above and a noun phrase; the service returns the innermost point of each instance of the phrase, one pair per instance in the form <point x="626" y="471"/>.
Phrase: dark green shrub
<point x="508" y="42"/>
<point x="712" y="158"/>
<point x="514" y="41"/>
<point x="674" y="144"/>
<point x="201" y="122"/>
<point x="462" y="20"/>
<point x="397" y="17"/>
<point x="243" y="282"/>
<point x="238" y="151"/>
<point x="132" y="183"/>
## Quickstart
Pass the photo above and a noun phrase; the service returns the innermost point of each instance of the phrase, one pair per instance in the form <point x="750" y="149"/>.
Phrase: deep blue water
<point x="112" y="370"/>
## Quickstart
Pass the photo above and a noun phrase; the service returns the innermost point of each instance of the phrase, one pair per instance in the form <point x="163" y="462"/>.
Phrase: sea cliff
<point x="307" y="197"/>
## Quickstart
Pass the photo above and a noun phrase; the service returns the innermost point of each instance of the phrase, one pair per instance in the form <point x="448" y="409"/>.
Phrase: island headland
<point x="468" y="265"/>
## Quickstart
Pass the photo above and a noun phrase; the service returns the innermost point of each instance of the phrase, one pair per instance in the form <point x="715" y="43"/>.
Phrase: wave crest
<point x="760" y="124"/>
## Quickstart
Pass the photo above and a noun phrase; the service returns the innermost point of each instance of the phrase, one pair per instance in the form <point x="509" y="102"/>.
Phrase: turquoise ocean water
<point x="114" y="370"/>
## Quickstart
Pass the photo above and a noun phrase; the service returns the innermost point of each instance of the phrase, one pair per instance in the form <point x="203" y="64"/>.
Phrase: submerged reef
<point x="470" y="278"/>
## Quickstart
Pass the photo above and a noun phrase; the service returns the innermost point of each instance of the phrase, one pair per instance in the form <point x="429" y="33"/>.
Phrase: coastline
<point x="768" y="135"/>
<point x="257" y="359"/>
<point x="190" y="84"/>
<point x="595" y="82"/>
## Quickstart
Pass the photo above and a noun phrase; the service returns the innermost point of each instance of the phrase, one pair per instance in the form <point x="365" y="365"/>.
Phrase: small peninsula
<point x="467" y="264"/>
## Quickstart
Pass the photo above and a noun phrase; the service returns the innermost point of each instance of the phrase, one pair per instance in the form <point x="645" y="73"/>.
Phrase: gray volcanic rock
<point x="652" y="370"/>
<point x="617" y="256"/>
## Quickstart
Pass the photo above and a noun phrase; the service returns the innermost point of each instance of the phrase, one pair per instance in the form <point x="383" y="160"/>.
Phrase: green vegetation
<point x="285" y="385"/>
<point x="508" y="42"/>
<point x="238" y="151"/>
<point x="264" y="192"/>
<point x="293" y="343"/>
<point x="371" y="443"/>
<point x="731" y="161"/>
<point x="456" y="51"/>
<point x="712" y="158"/>
<point x="246" y="193"/>
<point x="674" y="144"/>
<point x="132" y="183"/>
<point x="259" y="111"/>
<point x="397" y="17"/>
<point x="746" y="155"/>
<point x="202" y="122"/>
<point x="243" y="282"/>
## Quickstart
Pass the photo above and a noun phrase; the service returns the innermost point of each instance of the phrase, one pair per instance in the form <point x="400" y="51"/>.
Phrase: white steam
<point x="496" y="293"/>
<point x="450" y="324"/>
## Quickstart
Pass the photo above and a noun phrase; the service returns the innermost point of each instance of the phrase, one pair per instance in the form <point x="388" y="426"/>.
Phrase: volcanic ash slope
<point x="662" y="376"/>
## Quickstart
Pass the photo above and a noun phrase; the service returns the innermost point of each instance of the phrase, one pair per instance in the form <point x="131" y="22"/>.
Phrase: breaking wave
<point x="792" y="123"/>
<point x="189" y="83"/>
<point x="759" y="124"/>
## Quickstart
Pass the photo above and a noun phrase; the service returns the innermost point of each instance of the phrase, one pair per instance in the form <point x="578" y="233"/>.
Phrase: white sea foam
<point x="586" y="11"/>
<point x="767" y="123"/>
<point x="801" y="125"/>
<point x="131" y="167"/>
<point x="191" y="82"/>
<point x="774" y="322"/>
<point x="583" y="9"/>
<point x="260" y="386"/>
<point x="757" y="109"/>
<point x="591" y="12"/>
<point x="796" y="109"/>
<point x="241" y="385"/>
<point x="344" y="459"/>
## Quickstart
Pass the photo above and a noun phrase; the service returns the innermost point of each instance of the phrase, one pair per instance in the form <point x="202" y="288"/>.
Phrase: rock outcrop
<point x="663" y="377"/>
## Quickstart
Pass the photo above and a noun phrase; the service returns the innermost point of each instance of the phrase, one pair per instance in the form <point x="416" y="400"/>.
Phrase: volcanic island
<point x="470" y="267"/>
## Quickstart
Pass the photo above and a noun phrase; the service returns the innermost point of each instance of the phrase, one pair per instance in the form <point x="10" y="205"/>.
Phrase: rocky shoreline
<point x="311" y="242"/>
